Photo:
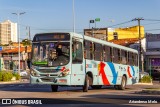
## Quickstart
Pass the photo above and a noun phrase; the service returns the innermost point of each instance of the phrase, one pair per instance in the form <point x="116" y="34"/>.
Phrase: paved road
<point x="74" y="95"/>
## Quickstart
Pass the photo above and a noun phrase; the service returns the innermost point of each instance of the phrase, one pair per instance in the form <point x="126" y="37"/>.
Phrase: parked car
<point x="22" y="72"/>
<point x="155" y="74"/>
<point x="142" y="74"/>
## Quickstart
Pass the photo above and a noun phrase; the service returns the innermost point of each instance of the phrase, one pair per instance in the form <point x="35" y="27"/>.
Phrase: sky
<point x="57" y="15"/>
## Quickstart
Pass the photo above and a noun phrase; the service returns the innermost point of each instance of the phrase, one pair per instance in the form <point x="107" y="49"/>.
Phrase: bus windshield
<point x="50" y="53"/>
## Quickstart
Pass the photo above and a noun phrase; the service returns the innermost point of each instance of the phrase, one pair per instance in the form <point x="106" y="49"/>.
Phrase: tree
<point x="26" y="42"/>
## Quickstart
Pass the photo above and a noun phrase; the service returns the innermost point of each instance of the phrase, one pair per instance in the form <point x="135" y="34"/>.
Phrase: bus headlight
<point x="65" y="72"/>
<point x="34" y="73"/>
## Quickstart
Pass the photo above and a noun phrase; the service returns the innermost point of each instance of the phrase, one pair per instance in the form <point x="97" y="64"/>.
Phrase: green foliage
<point x="1" y="73"/>
<point x="18" y="77"/>
<point x="26" y="42"/>
<point x="7" y="76"/>
<point x="146" y="79"/>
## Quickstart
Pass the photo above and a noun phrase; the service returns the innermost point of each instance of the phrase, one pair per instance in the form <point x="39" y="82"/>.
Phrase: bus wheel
<point x="96" y="86"/>
<point x="123" y="83"/>
<point x="54" y="88"/>
<point x="86" y="84"/>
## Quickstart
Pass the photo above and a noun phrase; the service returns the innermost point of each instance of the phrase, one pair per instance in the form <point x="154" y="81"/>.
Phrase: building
<point x="8" y="32"/>
<point x="125" y="33"/>
<point x="153" y="51"/>
<point x="100" y="33"/>
<point x="113" y="34"/>
<point x="10" y="56"/>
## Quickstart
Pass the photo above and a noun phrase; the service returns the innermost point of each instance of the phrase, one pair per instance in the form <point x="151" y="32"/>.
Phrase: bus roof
<point x="103" y="42"/>
<point x="94" y="40"/>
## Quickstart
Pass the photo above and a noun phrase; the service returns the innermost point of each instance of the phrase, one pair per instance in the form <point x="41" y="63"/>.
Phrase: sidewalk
<point x="150" y="88"/>
<point x="14" y="82"/>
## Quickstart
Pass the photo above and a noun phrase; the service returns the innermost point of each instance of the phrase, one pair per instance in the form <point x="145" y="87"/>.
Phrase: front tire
<point x="54" y="88"/>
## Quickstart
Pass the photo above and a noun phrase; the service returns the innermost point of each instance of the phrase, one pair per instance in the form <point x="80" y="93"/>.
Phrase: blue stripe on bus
<point x="133" y="70"/>
<point x="57" y="69"/>
<point x="113" y="72"/>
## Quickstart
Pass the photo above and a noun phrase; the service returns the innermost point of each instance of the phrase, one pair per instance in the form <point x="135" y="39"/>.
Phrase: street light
<point x="18" y="14"/>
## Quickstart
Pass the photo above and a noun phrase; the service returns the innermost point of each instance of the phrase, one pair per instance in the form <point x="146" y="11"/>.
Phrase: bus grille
<point x="48" y="70"/>
<point x="52" y="75"/>
<point x="47" y="79"/>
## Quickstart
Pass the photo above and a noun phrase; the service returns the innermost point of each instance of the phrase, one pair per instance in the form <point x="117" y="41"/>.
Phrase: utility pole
<point x="140" y="47"/>
<point x="29" y="33"/>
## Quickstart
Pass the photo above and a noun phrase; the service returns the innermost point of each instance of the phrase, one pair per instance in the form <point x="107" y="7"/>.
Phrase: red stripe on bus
<point x="129" y="72"/>
<point x="102" y="72"/>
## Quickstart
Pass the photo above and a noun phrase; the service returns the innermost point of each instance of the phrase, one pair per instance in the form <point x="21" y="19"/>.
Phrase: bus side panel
<point x="77" y="74"/>
<point x="111" y="74"/>
<point x="91" y="66"/>
<point x="132" y="73"/>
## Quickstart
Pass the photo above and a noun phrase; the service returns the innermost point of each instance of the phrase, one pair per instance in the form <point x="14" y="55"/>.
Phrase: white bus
<point x="70" y="59"/>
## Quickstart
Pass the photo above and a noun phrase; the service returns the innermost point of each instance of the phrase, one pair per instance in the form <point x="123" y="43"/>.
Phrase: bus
<point x="71" y="59"/>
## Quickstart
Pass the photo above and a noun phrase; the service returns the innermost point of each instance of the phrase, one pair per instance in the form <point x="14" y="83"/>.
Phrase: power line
<point x="151" y="20"/>
<point x="121" y="23"/>
<point x="152" y="29"/>
<point x="151" y="23"/>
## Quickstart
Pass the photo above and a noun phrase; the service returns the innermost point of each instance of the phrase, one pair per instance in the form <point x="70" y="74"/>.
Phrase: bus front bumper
<point x="49" y="80"/>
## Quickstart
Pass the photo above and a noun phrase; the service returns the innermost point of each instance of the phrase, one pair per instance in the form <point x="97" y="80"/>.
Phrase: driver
<point x="59" y="50"/>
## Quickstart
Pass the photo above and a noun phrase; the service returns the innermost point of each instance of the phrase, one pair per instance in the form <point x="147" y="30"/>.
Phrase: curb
<point x="149" y="91"/>
<point x="143" y="84"/>
<point x="8" y="82"/>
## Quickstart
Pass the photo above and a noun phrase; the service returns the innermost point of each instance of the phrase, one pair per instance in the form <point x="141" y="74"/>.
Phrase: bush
<point x="146" y="79"/>
<point x="17" y="76"/>
<point x="7" y="76"/>
<point x="1" y="73"/>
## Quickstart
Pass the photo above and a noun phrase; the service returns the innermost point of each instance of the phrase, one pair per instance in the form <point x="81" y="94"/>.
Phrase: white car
<point x="142" y="74"/>
<point x="22" y="72"/>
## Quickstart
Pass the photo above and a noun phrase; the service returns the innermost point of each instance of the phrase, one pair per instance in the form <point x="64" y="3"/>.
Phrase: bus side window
<point x="136" y="59"/>
<point x="115" y="55"/>
<point x="119" y="56"/>
<point x="133" y="60"/>
<point x="128" y="58"/>
<point x="108" y="56"/>
<point x="98" y="52"/>
<point x="124" y="56"/>
<point x="88" y="49"/>
<point x="77" y="55"/>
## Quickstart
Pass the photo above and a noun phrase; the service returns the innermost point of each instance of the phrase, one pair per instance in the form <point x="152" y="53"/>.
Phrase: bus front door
<point x="78" y="68"/>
